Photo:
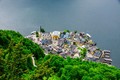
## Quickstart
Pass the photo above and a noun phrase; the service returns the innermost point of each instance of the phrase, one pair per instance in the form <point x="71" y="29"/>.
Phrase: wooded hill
<point x="16" y="63"/>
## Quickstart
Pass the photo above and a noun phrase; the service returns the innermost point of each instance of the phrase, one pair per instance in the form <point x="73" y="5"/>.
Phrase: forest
<point x="16" y="63"/>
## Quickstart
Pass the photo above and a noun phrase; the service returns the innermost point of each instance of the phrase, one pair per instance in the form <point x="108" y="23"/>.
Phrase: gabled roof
<point x="57" y="33"/>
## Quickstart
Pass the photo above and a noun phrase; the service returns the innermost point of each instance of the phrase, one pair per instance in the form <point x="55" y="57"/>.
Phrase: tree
<point x="83" y="52"/>
<point x="2" y="72"/>
<point x="42" y="30"/>
<point x="42" y="71"/>
<point x="75" y="31"/>
<point x="37" y="34"/>
<point x="66" y="31"/>
<point x="15" y="55"/>
<point x="16" y="62"/>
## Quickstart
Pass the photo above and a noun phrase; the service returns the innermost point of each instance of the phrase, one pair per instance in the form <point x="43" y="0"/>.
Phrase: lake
<point x="100" y="18"/>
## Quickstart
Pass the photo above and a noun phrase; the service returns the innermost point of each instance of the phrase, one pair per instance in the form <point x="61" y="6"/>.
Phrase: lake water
<point x="100" y="18"/>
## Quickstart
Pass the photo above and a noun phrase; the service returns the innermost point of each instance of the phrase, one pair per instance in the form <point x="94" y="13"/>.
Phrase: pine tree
<point x="42" y="30"/>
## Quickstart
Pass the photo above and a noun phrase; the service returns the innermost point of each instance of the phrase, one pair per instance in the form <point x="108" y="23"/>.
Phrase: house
<point x="92" y="48"/>
<point x="92" y="59"/>
<point x="72" y="35"/>
<point x="105" y="52"/>
<point x="72" y="48"/>
<point x="67" y="35"/>
<point x="33" y="32"/>
<point x="105" y="57"/>
<point x="76" y="55"/>
<point x="106" y="60"/>
<point x="29" y="37"/>
<point x="54" y="42"/>
<point x="63" y="54"/>
<point x="44" y="42"/>
<point x="62" y="35"/>
<point x="60" y="42"/>
<point x="59" y="50"/>
<point x="88" y="35"/>
<point x="55" y="35"/>
<point x="97" y="54"/>
<point x="45" y="36"/>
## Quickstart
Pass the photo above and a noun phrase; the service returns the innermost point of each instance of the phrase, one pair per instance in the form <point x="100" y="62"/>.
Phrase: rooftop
<point x="70" y="44"/>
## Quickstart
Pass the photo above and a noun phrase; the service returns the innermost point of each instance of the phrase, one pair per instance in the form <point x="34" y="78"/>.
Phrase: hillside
<point x="15" y="55"/>
<point x="16" y="63"/>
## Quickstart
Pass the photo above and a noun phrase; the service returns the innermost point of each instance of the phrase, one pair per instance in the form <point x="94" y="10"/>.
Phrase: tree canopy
<point x="16" y="63"/>
<point x="15" y="52"/>
<point x="42" y="29"/>
<point x="54" y="67"/>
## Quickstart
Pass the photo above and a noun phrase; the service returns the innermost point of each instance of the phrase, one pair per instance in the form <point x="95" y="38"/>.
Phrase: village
<point x="73" y="44"/>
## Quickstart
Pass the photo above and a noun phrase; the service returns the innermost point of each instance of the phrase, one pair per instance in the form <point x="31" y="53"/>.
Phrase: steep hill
<point x="16" y="63"/>
<point x="15" y="54"/>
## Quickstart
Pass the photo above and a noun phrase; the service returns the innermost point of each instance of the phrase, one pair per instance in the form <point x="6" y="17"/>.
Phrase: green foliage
<point x="6" y="36"/>
<point x="30" y="47"/>
<point x="83" y="52"/>
<point x="54" y="67"/>
<point x="16" y="63"/>
<point x="15" y="54"/>
<point x="66" y="31"/>
<point x="42" y="30"/>
<point x="29" y="62"/>
<point x="44" y="70"/>
<point x="37" y="34"/>
<point x="54" y="77"/>
<point x="75" y="31"/>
